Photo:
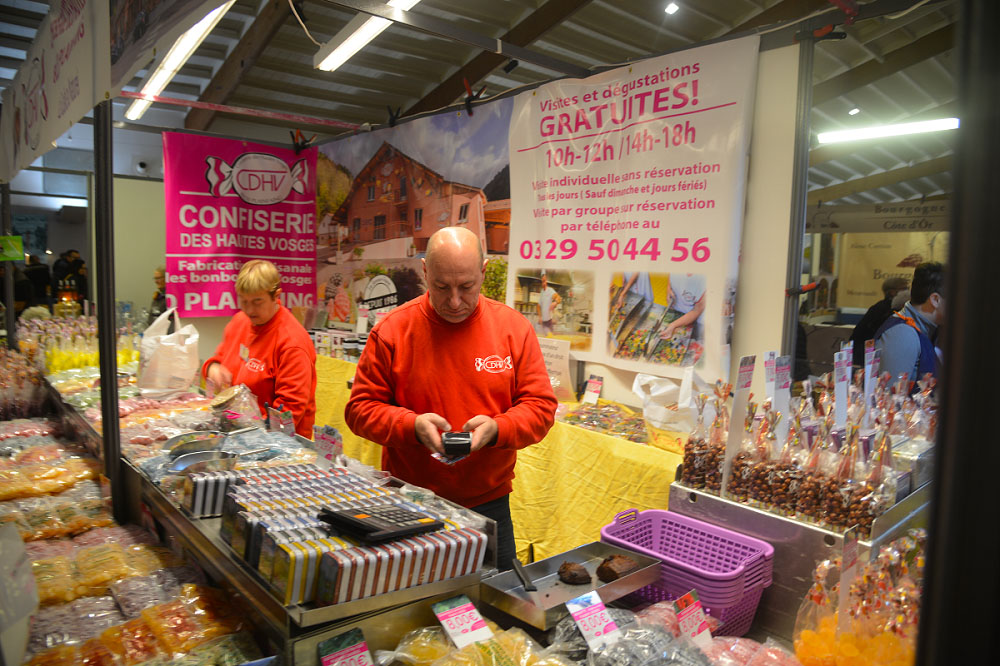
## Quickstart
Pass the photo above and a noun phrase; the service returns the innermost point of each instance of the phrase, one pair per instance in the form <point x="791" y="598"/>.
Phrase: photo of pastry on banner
<point x="657" y="317"/>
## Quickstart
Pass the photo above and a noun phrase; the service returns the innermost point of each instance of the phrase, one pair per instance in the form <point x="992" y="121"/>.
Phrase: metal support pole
<point x="961" y="607"/>
<point x="107" y="326"/>
<point x="8" y="280"/>
<point x="800" y="174"/>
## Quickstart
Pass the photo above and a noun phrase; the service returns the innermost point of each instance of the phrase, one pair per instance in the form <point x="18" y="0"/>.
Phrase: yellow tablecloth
<point x="566" y="487"/>
<point x="331" y="398"/>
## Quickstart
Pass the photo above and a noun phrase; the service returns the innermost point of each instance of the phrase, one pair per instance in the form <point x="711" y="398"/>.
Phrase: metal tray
<point x="633" y="307"/>
<point x="544" y="608"/>
<point x="648" y="322"/>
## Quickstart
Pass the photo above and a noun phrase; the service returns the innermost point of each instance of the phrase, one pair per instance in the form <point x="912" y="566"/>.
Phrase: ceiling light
<point x="178" y="54"/>
<point x="853" y="112"/>
<point x="47" y="251"/>
<point x="888" y="130"/>
<point x="354" y="36"/>
<point x="671" y="8"/>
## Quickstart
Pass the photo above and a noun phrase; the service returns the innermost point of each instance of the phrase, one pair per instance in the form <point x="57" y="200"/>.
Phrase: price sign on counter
<point x="842" y="379"/>
<point x="740" y="398"/>
<point x="692" y="620"/>
<point x="593" y="391"/>
<point x="770" y="375"/>
<point x="593" y="620"/>
<point x="347" y="649"/>
<point x="461" y="621"/>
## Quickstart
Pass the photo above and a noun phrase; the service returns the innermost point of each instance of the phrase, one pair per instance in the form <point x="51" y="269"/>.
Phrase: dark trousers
<point x="499" y="510"/>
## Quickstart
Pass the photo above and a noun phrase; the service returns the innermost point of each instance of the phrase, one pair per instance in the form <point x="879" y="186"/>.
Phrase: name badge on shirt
<point x="244" y="353"/>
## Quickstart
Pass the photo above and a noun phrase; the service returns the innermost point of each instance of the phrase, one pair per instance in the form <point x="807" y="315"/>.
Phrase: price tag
<point x="744" y="377"/>
<point x="461" y="621"/>
<point x="692" y="620"/>
<point x="770" y="378"/>
<point x="871" y="375"/>
<point x="347" y="649"/>
<point x="329" y="445"/>
<point x="593" y="620"/>
<point x="783" y="396"/>
<point x="841" y="381"/>
<point x="741" y="395"/>
<point x="849" y="571"/>
<point x="593" y="391"/>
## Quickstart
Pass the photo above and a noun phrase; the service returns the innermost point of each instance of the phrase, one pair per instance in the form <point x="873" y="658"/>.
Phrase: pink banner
<point x="228" y="202"/>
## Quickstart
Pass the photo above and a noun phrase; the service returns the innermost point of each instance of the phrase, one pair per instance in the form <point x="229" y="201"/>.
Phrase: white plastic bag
<point x="665" y="403"/>
<point x="168" y="362"/>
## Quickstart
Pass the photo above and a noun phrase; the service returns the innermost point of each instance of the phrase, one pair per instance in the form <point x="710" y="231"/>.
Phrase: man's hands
<point x="219" y="376"/>
<point x="483" y="429"/>
<point x="429" y="426"/>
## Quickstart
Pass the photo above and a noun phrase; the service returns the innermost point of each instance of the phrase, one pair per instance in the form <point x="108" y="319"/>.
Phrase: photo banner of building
<point x="228" y="202"/>
<point x="636" y="177"/>
<point x="382" y="194"/>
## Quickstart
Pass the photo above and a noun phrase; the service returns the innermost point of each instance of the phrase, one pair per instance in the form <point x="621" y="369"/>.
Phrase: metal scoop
<point x="189" y="442"/>
<point x="209" y="461"/>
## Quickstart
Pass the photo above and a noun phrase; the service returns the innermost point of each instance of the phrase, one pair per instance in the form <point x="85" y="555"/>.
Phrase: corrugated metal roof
<point x="894" y="68"/>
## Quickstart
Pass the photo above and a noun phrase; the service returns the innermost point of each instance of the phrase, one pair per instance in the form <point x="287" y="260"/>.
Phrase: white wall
<point x="760" y="300"/>
<point x="140" y="241"/>
<point x="764" y="258"/>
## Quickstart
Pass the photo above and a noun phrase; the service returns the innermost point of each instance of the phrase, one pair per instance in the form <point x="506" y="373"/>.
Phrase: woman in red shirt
<point x="266" y="348"/>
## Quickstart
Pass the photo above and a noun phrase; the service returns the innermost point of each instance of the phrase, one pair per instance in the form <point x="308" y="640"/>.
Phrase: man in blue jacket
<point x="908" y="339"/>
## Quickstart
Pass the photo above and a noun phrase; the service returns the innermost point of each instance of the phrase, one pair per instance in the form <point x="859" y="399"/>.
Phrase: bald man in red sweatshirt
<point x="449" y="360"/>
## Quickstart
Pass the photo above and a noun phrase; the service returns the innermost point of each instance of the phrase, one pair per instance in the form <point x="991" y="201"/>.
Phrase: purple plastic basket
<point x="736" y="619"/>
<point x="694" y="547"/>
<point x="729" y="570"/>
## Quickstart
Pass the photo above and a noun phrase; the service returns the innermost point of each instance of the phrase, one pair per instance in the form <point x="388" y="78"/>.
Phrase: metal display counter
<point x="292" y="631"/>
<point x="797" y="546"/>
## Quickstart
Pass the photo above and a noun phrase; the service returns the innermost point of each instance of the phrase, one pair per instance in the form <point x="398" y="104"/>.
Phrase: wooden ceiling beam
<point x="875" y="181"/>
<point x="244" y="55"/>
<point x="926" y="47"/>
<point x="530" y="28"/>
<point x="783" y="11"/>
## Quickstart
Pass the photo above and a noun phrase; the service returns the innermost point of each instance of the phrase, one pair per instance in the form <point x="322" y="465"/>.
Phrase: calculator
<point x="379" y="523"/>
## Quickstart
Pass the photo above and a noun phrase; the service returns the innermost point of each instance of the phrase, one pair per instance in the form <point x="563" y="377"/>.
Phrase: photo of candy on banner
<point x="228" y="202"/>
<point x="632" y="182"/>
<point x="382" y="194"/>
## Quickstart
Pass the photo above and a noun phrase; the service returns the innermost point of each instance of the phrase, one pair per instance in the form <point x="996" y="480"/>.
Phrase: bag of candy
<point x="696" y="448"/>
<point x="717" y="438"/>
<point x="738" y="488"/>
<point x="817" y="476"/>
<point x="762" y="472"/>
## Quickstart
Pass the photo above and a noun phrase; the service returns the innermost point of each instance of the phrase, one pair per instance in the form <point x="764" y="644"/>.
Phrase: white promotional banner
<point x="627" y="197"/>
<point x="65" y="74"/>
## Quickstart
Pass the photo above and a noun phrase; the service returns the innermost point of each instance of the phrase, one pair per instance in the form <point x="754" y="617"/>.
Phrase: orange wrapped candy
<point x="61" y="655"/>
<point x="133" y="642"/>
<point x="175" y="627"/>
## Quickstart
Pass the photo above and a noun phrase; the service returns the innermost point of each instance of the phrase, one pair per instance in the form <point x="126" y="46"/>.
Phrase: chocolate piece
<point x="616" y="566"/>
<point x="573" y="573"/>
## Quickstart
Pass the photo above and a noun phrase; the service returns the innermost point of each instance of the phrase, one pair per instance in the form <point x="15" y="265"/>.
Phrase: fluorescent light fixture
<point x="671" y="8"/>
<point x="354" y="36"/>
<point x="853" y="112"/>
<point x="888" y="130"/>
<point x="178" y="54"/>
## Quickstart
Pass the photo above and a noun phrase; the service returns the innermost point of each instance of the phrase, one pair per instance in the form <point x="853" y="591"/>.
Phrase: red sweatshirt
<point x="278" y="364"/>
<point x="415" y="362"/>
